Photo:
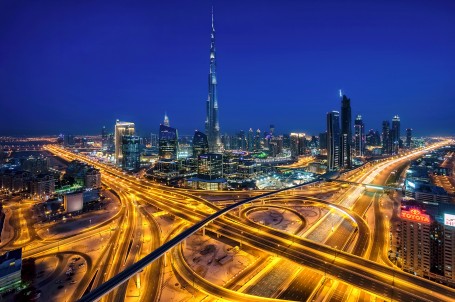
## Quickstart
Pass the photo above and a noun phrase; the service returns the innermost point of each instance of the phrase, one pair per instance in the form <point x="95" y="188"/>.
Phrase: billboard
<point x="449" y="219"/>
<point x="415" y="215"/>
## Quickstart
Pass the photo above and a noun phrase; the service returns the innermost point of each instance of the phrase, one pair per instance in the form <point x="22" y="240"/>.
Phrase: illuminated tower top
<point x="166" y="120"/>
<point x="212" y="126"/>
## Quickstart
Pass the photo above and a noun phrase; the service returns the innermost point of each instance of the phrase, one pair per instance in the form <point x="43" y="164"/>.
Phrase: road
<point x="351" y="269"/>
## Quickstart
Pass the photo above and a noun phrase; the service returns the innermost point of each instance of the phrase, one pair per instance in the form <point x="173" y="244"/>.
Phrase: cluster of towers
<point x="210" y="141"/>
<point x="339" y="139"/>
<point x="342" y="145"/>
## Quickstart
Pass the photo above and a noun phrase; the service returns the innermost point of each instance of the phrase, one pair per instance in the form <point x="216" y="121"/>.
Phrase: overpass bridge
<point x="355" y="270"/>
<point x="137" y="267"/>
<point x="367" y="186"/>
<point x="368" y="275"/>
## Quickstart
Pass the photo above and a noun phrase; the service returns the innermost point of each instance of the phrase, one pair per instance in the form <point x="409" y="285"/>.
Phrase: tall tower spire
<point x="213" y="26"/>
<point x="212" y="126"/>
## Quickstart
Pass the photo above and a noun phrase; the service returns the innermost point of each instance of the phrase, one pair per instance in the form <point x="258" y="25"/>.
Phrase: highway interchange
<point x="345" y="259"/>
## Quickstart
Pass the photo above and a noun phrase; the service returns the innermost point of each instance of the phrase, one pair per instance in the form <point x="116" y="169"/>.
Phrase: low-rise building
<point x="92" y="178"/>
<point x="10" y="269"/>
<point x="42" y="186"/>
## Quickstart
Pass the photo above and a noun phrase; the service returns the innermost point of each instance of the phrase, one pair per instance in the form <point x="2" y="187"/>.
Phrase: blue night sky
<point x="74" y="66"/>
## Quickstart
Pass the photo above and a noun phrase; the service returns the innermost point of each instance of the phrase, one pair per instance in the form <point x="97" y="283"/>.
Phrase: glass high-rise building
<point x="103" y="138"/>
<point x="333" y="141"/>
<point x="168" y="143"/>
<point x="121" y="129"/>
<point x="131" y="159"/>
<point x="359" y="136"/>
<point x="297" y="144"/>
<point x="200" y="144"/>
<point x="210" y="166"/>
<point x="395" y="133"/>
<point x="386" y="138"/>
<point x="346" y="133"/>
<point x="257" y="140"/>
<point x="212" y="125"/>
<point x="408" y="138"/>
<point x="323" y="140"/>
<point x="250" y="140"/>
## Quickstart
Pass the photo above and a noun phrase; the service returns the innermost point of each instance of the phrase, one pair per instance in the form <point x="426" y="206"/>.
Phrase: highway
<point x="351" y="266"/>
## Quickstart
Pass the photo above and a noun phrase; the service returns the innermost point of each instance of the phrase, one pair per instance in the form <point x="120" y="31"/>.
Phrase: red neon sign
<point x="415" y="215"/>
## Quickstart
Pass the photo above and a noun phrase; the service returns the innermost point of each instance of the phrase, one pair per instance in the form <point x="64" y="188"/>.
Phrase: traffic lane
<point x="377" y="282"/>
<point x="346" y="272"/>
<point x="303" y="286"/>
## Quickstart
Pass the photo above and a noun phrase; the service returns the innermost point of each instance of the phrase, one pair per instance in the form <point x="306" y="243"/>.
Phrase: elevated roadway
<point x="351" y="269"/>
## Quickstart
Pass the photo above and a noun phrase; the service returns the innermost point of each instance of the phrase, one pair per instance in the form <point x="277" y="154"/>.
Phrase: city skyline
<point x="254" y="88"/>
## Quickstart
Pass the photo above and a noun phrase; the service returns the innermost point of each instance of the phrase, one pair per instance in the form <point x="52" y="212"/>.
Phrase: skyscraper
<point x="297" y="144"/>
<point x="257" y="140"/>
<point x="131" y="153"/>
<point x="373" y="138"/>
<point x="395" y="134"/>
<point x="241" y="140"/>
<point x="333" y="141"/>
<point x="408" y="138"/>
<point x="272" y="130"/>
<point x="168" y="143"/>
<point x="346" y="132"/>
<point x="359" y="136"/>
<point x="200" y="144"/>
<point x="121" y="129"/>
<point x="103" y="138"/>
<point x="250" y="140"/>
<point x="323" y="140"/>
<point x="212" y="126"/>
<point x="386" y="138"/>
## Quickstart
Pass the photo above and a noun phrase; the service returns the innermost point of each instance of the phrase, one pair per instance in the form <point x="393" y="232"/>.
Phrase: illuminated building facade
<point x="250" y="140"/>
<point x="297" y="144"/>
<point x="395" y="134"/>
<point x="168" y="143"/>
<point x="104" y="138"/>
<point x="212" y="125"/>
<point x="386" y="138"/>
<point x="257" y="141"/>
<point x="416" y="227"/>
<point x="92" y="178"/>
<point x="333" y="141"/>
<point x="131" y="160"/>
<point x="408" y="138"/>
<point x="121" y="129"/>
<point x="359" y="136"/>
<point x="346" y="133"/>
<point x="209" y="173"/>
<point x="10" y="269"/>
<point x="426" y="234"/>
<point x="210" y="166"/>
<point x="42" y="186"/>
<point x="200" y="144"/>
